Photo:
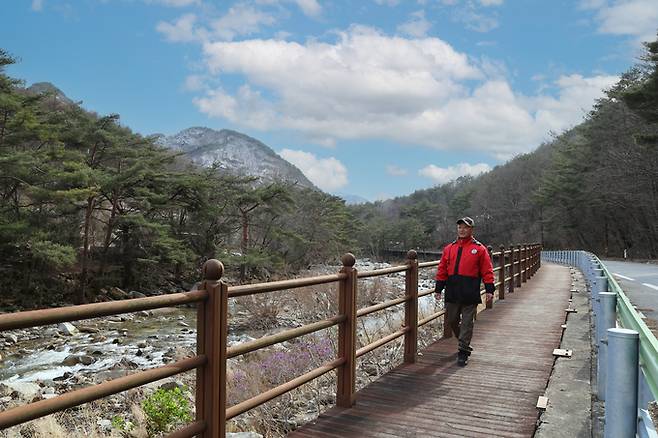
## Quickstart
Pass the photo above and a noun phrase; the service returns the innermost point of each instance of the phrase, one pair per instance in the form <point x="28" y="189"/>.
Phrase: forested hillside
<point x="593" y="187"/>
<point x="86" y="204"/>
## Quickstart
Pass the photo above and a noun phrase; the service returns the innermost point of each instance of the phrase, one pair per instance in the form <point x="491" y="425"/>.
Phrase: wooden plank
<point x="542" y="402"/>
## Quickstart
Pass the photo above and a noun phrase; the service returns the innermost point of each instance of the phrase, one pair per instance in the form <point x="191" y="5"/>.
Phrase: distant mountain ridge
<point x="235" y="152"/>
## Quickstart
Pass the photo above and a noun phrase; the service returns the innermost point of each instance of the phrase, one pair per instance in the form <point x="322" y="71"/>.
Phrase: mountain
<point x="235" y="152"/>
<point x="47" y="87"/>
<point x="352" y="199"/>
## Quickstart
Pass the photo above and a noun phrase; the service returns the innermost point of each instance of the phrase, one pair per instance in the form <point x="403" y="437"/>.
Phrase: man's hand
<point x="489" y="297"/>
<point x="438" y="288"/>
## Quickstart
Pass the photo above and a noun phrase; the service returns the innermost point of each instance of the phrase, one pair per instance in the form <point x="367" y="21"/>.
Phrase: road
<point x="640" y="283"/>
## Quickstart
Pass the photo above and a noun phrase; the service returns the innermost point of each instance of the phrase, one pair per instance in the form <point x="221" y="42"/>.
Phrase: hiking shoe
<point x="462" y="359"/>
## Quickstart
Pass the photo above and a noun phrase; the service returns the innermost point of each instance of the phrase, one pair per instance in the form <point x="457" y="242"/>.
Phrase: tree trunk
<point x="82" y="295"/>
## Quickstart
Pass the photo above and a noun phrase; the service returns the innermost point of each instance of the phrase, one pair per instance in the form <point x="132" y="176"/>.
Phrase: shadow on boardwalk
<point x="494" y="396"/>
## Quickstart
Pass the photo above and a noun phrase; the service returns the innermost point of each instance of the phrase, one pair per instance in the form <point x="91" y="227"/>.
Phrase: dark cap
<point x="466" y="221"/>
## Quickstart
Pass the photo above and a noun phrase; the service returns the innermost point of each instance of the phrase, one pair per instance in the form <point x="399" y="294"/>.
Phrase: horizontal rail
<point x="266" y="341"/>
<point x="253" y="402"/>
<point x="34" y="318"/>
<point x="192" y="429"/>
<point x="378" y="343"/>
<point x="251" y="289"/>
<point x="381" y="306"/>
<point x="428" y="264"/>
<point x="31" y="411"/>
<point x="378" y="272"/>
<point x="431" y="318"/>
<point x="425" y="293"/>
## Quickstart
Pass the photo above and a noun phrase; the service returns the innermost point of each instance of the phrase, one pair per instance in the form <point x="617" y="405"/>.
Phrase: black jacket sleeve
<point x="489" y="288"/>
<point x="439" y="285"/>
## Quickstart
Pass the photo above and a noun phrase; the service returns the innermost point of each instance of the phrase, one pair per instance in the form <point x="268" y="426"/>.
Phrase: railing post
<point x="489" y="304"/>
<point x="411" y="308"/>
<point x="212" y="329"/>
<point x="347" y="333"/>
<point x="512" y="282"/>
<point x="524" y="263"/>
<point x="519" y="267"/>
<point x="501" y="273"/>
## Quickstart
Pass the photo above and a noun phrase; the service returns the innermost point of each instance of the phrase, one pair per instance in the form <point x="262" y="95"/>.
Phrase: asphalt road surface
<point x="640" y="283"/>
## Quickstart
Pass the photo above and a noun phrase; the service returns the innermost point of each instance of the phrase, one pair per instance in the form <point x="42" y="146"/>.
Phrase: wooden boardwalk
<point x="493" y="396"/>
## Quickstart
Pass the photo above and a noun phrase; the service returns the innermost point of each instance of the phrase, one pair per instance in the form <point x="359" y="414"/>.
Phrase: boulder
<point x="68" y="329"/>
<point x="74" y="359"/>
<point x="117" y="294"/>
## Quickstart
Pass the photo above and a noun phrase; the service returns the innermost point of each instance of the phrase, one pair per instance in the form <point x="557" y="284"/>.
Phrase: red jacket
<point x="464" y="264"/>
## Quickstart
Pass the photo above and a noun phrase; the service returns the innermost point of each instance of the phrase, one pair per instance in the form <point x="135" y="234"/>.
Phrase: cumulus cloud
<point x="417" y="26"/>
<point x="491" y="2"/>
<point x="240" y="20"/>
<point x="368" y="85"/>
<point x="442" y="175"/>
<point x="310" y="7"/>
<point x="388" y="2"/>
<point x="394" y="170"/>
<point x="328" y="174"/>
<point x="636" y="18"/>
<point x="175" y="3"/>
<point x="182" y="30"/>
<point x="37" y="5"/>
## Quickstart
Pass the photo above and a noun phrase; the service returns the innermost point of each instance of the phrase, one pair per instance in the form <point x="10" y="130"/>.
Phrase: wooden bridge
<point x="428" y="395"/>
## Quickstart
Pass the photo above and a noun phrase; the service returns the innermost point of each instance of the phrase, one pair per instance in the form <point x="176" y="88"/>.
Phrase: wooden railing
<point x="514" y="266"/>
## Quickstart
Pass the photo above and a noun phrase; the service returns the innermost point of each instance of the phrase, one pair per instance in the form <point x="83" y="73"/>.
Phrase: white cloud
<point x="194" y="83"/>
<point x="636" y="18"/>
<point x="394" y="170"/>
<point x="182" y="30"/>
<point x="491" y="2"/>
<point x="328" y="174"/>
<point x="310" y="7"/>
<point x="442" y="175"/>
<point x="367" y="85"/>
<point x="388" y="2"/>
<point x="175" y="3"/>
<point x="417" y="26"/>
<point x="240" y="19"/>
<point x="37" y="5"/>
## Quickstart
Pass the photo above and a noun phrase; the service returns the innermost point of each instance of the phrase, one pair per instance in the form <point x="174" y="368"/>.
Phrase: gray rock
<point x="135" y="294"/>
<point x="10" y="337"/>
<point x="68" y="329"/>
<point x="74" y="359"/>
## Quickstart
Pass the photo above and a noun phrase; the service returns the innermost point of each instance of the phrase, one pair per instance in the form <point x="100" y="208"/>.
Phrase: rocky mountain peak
<point x="236" y="153"/>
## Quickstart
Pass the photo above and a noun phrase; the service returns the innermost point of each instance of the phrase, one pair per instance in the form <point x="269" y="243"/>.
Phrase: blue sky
<point x="375" y="98"/>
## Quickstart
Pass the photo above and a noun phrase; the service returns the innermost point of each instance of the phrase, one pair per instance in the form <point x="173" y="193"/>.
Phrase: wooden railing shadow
<point x="514" y="266"/>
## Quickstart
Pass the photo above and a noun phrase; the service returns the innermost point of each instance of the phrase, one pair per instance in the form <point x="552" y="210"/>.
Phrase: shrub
<point x="166" y="408"/>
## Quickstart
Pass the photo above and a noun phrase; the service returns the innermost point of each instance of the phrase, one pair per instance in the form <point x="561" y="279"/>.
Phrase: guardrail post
<point x="621" y="384"/>
<point x="511" y="269"/>
<point x="411" y="308"/>
<point x="501" y="273"/>
<point x="212" y="330"/>
<point x="608" y="320"/>
<point x="519" y="267"/>
<point x="347" y="333"/>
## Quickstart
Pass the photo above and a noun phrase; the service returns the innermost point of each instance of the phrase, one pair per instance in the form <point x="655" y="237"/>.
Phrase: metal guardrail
<point x="520" y="262"/>
<point x="602" y="284"/>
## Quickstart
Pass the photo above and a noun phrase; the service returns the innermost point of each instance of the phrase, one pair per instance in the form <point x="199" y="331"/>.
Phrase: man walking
<point x="465" y="263"/>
